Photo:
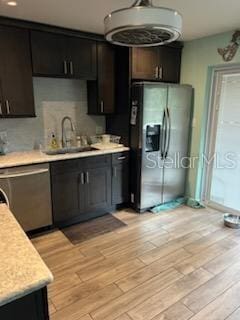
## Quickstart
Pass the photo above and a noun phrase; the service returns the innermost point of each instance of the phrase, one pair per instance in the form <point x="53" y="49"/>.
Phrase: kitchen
<point x="89" y="228"/>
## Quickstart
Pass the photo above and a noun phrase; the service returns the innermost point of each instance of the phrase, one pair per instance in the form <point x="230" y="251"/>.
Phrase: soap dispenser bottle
<point x="53" y="143"/>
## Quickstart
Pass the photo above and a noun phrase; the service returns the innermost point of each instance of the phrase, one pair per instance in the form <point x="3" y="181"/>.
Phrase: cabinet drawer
<point x="65" y="166"/>
<point x="98" y="161"/>
<point x="120" y="157"/>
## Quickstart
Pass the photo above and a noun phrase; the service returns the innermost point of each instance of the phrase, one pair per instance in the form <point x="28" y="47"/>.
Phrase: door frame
<point x="211" y="132"/>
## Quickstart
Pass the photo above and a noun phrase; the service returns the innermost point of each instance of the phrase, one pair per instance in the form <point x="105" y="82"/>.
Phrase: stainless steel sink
<point x="80" y="149"/>
<point x="68" y="150"/>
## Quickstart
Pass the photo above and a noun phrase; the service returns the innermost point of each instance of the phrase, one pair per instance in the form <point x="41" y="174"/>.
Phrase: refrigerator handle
<point x="163" y="135"/>
<point x="168" y="132"/>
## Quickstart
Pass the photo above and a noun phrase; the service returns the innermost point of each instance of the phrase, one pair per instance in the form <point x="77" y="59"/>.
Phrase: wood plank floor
<point x="179" y="265"/>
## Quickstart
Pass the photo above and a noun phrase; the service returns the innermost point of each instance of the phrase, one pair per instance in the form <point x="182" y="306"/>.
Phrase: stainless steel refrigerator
<point x="160" y="129"/>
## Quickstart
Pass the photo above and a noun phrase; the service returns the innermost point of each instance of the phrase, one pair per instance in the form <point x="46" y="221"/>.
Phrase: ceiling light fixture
<point x="12" y="3"/>
<point x="143" y="25"/>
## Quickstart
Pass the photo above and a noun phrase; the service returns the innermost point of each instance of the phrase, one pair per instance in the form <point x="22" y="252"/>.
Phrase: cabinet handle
<point x="71" y="67"/>
<point x="8" y="107"/>
<point x="156" y="72"/>
<point x="87" y="177"/>
<point x="102" y="106"/>
<point x="82" y="178"/>
<point x="122" y="158"/>
<point x="160" y="72"/>
<point x="65" y="67"/>
<point x="115" y="172"/>
<point x="1" y="108"/>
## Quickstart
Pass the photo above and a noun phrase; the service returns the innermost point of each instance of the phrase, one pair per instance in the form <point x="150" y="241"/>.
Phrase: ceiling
<point x="200" y="17"/>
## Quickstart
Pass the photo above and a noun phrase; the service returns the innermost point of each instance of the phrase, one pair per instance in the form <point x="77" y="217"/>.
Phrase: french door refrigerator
<point x="160" y="129"/>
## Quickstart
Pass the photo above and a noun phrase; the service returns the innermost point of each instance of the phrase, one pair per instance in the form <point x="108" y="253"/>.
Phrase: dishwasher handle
<point x="22" y="174"/>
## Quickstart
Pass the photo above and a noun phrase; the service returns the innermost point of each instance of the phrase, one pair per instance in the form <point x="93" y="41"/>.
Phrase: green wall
<point x="198" y="58"/>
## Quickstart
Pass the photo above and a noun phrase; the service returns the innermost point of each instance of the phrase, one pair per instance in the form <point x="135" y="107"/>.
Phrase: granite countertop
<point x="22" y="271"/>
<point x="34" y="157"/>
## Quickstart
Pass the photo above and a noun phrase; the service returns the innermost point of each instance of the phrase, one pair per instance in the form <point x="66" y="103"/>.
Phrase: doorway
<point x="221" y="187"/>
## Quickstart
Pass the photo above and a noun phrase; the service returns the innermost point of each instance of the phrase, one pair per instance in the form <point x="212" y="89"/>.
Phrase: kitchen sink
<point x="68" y="150"/>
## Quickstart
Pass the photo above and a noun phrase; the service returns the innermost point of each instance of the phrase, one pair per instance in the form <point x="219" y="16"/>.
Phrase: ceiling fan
<point x="143" y="25"/>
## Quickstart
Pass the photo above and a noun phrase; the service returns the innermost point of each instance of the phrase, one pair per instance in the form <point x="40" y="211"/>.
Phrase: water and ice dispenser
<point x="153" y="138"/>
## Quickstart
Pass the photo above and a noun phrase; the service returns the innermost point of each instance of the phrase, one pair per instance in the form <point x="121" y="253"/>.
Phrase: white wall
<point x="54" y="99"/>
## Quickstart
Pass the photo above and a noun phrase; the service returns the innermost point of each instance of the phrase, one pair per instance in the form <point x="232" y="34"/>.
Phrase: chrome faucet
<point x="66" y="141"/>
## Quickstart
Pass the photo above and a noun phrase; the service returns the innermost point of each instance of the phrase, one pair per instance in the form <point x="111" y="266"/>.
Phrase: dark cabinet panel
<point x="61" y="56"/>
<point x="118" y="123"/>
<point x="16" y="73"/>
<point x="120" y="189"/>
<point x="31" y="307"/>
<point x="106" y="75"/>
<point x="81" y="189"/>
<point x="170" y="63"/>
<point x="81" y="55"/>
<point x="67" y="196"/>
<point x="145" y="62"/>
<point x="120" y="178"/>
<point x="156" y="63"/>
<point x="98" y="189"/>
<point x="99" y="161"/>
<point x="3" y="109"/>
<point x="48" y="54"/>
<point x="101" y="93"/>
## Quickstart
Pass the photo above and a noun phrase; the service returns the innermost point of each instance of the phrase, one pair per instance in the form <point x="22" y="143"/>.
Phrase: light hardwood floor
<point x="179" y="265"/>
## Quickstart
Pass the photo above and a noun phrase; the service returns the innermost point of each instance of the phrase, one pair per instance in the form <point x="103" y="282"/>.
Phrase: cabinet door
<point x="49" y="54"/>
<point x="145" y="62"/>
<point x="3" y="110"/>
<point x="120" y="187"/>
<point x="101" y="92"/>
<point x="34" y="306"/>
<point x="169" y="64"/>
<point x="98" y="189"/>
<point x="82" y="54"/>
<point x="67" y="196"/>
<point x="16" y="72"/>
<point x="106" y="75"/>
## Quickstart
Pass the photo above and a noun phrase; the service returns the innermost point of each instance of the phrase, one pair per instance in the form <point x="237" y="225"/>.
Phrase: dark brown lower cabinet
<point x="67" y="196"/>
<point x="81" y="189"/>
<point x="31" y="307"/>
<point x="89" y="187"/>
<point x="120" y="188"/>
<point x="98" y="189"/>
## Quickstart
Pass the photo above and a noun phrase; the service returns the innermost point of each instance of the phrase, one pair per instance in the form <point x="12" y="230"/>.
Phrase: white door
<point x="222" y="161"/>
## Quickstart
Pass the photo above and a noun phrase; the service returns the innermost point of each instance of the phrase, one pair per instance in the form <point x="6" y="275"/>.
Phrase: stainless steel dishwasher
<point x="26" y="190"/>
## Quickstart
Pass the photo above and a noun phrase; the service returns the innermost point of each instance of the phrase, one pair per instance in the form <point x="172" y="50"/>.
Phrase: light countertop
<point x="22" y="271"/>
<point x="34" y="157"/>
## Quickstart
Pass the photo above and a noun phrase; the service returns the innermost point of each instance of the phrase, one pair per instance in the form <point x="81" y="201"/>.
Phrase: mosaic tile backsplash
<point x="54" y="99"/>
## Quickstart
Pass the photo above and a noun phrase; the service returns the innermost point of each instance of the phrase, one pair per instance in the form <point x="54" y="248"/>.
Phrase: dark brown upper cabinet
<point x="57" y="55"/>
<point x="156" y="63"/>
<point x="170" y="64"/>
<point x="101" y="93"/>
<point x="82" y="56"/>
<point x="145" y="62"/>
<point x="15" y="73"/>
<point x="48" y="54"/>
